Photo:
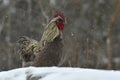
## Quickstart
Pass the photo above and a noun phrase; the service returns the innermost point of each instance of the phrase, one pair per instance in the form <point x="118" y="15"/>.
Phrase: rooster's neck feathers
<point x="51" y="32"/>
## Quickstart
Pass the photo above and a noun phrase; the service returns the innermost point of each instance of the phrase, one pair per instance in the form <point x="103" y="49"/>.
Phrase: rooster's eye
<point x="60" y="20"/>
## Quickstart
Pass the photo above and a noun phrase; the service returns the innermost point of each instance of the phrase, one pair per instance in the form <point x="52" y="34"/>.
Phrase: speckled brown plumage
<point x="27" y="50"/>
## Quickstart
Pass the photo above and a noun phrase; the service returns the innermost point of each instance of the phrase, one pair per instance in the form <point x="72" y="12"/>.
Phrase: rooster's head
<point x="61" y="21"/>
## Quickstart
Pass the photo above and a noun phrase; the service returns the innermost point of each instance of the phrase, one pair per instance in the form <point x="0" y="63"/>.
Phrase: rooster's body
<point x="48" y="51"/>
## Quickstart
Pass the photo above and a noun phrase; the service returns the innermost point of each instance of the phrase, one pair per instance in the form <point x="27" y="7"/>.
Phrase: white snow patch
<point x="60" y="73"/>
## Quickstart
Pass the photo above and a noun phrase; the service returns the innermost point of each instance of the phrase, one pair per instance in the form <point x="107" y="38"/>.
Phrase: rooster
<point x="47" y="51"/>
<point x="52" y="43"/>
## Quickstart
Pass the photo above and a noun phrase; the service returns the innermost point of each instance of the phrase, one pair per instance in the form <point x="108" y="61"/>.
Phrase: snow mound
<point x="59" y="73"/>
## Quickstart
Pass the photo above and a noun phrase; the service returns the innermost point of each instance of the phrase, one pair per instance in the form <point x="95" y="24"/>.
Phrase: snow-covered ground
<point x="59" y="73"/>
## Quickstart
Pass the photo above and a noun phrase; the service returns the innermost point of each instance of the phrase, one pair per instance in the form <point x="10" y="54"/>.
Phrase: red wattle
<point x="60" y="25"/>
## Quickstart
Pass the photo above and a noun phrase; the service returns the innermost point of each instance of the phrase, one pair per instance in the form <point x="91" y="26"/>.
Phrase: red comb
<point x="59" y="14"/>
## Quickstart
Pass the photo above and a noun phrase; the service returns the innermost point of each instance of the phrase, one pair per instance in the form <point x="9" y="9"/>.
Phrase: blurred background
<point x="91" y="36"/>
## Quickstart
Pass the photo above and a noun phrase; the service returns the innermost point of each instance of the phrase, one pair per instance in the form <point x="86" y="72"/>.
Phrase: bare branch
<point x="110" y="32"/>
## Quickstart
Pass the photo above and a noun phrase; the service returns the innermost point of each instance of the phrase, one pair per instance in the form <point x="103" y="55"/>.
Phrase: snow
<point x="59" y="73"/>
